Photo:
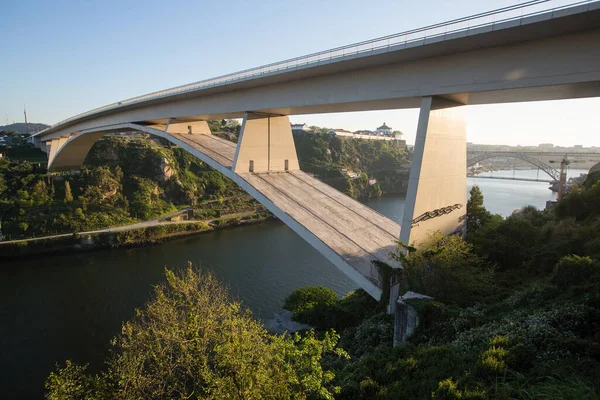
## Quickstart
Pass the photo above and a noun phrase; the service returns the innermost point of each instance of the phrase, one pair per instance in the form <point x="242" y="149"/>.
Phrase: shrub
<point x="349" y="311"/>
<point x="446" y="268"/>
<point x="310" y="297"/>
<point x="573" y="271"/>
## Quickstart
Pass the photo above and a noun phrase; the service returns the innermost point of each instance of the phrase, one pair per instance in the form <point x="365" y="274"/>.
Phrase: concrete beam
<point x="436" y="198"/>
<point x="266" y="144"/>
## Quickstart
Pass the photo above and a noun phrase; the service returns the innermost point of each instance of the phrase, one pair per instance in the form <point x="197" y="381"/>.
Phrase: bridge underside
<point x="347" y="232"/>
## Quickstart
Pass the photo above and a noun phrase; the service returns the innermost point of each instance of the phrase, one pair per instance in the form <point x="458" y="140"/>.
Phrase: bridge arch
<point x="547" y="168"/>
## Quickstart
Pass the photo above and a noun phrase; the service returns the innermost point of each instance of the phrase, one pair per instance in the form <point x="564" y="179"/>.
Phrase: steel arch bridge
<point x="547" y="168"/>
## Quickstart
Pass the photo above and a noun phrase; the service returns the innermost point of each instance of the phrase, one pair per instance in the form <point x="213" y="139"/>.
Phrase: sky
<point x="64" y="57"/>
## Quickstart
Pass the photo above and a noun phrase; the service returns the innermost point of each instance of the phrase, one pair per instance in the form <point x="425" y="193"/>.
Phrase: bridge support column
<point x="266" y="144"/>
<point x="436" y="198"/>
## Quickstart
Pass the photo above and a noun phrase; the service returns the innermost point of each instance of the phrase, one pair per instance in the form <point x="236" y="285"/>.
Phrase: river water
<point x="55" y="308"/>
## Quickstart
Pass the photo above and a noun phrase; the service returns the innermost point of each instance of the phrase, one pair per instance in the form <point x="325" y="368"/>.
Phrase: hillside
<point x="21" y="127"/>
<point x="121" y="182"/>
<point x="358" y="168"/>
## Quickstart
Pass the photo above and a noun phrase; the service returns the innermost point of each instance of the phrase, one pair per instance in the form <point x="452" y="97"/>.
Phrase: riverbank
<point x="121" y="237"/>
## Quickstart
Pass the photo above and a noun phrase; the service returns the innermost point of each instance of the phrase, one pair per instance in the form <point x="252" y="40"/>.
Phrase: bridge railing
<point x="408" y="38"/>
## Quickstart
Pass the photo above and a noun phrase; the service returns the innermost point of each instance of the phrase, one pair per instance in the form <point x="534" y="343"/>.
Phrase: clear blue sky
<point x="65" y="57"/>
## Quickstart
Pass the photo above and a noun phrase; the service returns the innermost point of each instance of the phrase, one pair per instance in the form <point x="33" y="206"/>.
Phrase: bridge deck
<point x="352" y="230"/>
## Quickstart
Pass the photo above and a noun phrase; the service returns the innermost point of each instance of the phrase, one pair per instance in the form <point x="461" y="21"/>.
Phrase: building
<point x="546" y="146"/>
<point x="384" y="130"/>
<point x="301" y="128"/>
<point x="363" y="132"/>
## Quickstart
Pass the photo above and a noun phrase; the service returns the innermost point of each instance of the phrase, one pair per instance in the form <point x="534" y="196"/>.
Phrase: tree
<point x="192" y="341"/>
<point x="446" y="268"/>
<point x="68" y="193"/>
<point x="477" y="215"/>
<point x="40" y="192"/>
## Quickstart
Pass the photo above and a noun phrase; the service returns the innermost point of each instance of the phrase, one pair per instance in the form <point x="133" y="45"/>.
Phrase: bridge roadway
<point x="352" y="230"/>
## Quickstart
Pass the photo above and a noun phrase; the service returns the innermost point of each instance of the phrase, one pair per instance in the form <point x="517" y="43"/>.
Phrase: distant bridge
<point x="531" y="157"/>
<point x="512" y="178"/>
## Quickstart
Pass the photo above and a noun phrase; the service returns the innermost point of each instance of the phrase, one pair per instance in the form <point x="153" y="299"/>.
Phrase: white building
<point x="384" y="130"/>
<point x="300" y="128"/>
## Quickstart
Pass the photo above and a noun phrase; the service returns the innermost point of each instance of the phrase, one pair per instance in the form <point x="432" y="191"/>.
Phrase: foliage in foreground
<point x="192" y="341"/>
<point x="516" y="313"/>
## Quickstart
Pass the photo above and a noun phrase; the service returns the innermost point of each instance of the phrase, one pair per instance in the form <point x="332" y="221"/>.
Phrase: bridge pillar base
<point x="266" y="144"/>
<point x="189" y="128"/>
<point x="436" y="198"/>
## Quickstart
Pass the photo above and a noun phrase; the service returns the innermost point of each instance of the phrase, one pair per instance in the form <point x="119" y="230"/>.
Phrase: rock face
<point x="166" y="170"/>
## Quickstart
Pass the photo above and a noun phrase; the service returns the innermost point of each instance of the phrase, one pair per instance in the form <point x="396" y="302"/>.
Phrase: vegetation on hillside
<point x="330" y="157"/>
<point x="122" y="181"/>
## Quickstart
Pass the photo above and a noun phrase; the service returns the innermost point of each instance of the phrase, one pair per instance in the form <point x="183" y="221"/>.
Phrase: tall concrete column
<point x="436" y="198"/>
<point x="266" y="144"/>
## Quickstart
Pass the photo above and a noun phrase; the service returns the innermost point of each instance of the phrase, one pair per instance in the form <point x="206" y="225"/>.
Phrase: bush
<point x="573" y="271"/>
<point x="446" y="268"/>
<point x="310" y="297"/>
<point x="349" y="311"/>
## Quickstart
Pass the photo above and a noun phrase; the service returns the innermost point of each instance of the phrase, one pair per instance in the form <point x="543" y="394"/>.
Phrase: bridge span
<point x="526" y="52"/>
<point x="512" y="178"/>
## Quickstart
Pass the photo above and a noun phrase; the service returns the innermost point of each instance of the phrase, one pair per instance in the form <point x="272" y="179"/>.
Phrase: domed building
<point x="384" y="130"/>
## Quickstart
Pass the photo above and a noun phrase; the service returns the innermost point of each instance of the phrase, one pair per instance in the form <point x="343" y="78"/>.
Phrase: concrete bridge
<point x="521" y="53"/>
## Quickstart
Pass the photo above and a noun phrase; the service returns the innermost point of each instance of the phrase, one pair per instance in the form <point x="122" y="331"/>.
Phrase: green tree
<point x="477" y="215"/>
<point x="68" y="193"/>
<point x="192" y="341"/>
<point x="446" y="268"/>
<point x="40" y="192"/>
<point x="573" y="271"/>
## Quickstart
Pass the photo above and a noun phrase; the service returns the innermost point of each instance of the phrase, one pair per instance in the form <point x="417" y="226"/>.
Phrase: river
<point x="55" y="308"/>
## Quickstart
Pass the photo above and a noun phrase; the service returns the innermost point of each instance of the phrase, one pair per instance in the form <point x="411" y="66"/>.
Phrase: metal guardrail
<point x="486" y="19"/>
